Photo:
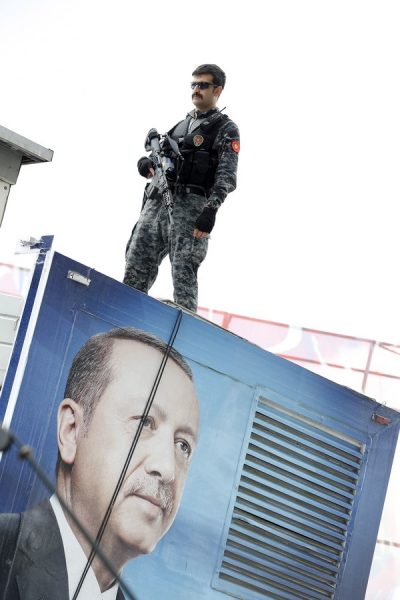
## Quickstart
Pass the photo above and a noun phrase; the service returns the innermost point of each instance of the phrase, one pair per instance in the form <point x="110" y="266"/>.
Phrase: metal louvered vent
<point x="289" y="523"/>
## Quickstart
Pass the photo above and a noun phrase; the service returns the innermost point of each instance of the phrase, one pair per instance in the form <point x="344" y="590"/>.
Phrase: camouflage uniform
<point x="154" y="237"/>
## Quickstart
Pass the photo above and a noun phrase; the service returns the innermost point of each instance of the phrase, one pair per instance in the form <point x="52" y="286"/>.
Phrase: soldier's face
<point x="150" y="495"/>
<point x="207" y="98"/>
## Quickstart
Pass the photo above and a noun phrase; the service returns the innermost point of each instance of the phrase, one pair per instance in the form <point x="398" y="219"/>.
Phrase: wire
<point x="124" y="470"/>
<point x="7" y="438"/>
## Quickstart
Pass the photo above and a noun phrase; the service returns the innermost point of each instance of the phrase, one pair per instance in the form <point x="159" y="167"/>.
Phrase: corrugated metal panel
<point x="289" y="523"/>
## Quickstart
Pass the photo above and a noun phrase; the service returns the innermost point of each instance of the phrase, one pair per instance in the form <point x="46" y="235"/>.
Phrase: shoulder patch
<point x="235" y="145"/>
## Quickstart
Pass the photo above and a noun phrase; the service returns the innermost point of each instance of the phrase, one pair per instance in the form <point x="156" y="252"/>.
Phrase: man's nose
<point x="161" y="458"/>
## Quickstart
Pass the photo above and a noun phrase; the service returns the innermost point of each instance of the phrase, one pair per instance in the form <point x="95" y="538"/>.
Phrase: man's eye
<point x="148" y="422"/>
<point x="184" y="448"/>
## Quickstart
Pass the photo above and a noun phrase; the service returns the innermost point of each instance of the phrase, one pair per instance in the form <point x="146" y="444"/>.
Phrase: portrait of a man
<point x="43" y="553"/>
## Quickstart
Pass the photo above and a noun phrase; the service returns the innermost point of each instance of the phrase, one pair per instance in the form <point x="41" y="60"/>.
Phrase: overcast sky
<point x="310" y="236"/>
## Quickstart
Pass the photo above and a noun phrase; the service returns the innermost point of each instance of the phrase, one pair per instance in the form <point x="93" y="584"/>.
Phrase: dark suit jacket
<point x="32" y="559"/>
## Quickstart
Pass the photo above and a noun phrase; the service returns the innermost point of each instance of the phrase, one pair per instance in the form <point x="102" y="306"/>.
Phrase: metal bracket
<point x="75" y="276"/>
<point x="380" y="419"/>
<point x="26" y="246"/>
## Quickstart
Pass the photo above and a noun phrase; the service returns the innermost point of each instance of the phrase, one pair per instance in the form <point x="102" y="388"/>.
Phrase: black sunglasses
<point x="202" y="85"/>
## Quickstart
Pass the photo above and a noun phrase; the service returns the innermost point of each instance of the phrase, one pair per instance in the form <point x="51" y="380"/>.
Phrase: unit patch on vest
<point x="235" y="144"/>
<point x="198" y="140"/>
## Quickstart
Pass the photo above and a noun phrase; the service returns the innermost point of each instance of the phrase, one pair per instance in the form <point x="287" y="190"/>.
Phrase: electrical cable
<point x="124" y="470"/>
<point x="7" y="438"/>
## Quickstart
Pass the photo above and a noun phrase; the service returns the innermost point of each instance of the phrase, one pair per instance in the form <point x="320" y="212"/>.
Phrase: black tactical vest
<point x="200" y="159"/>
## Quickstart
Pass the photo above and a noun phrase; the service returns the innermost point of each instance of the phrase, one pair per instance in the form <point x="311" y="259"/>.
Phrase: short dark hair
<point x="219" y="77"/>
<point x="91" y="370"/>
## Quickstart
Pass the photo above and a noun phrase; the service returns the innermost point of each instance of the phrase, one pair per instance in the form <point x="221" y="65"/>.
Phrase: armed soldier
<point x="200" y="156"/>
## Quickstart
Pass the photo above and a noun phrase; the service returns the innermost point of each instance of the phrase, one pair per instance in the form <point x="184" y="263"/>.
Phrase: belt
<point x="189" y="189"/>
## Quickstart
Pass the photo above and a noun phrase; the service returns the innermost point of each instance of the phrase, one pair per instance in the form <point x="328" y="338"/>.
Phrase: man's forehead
<point x="132" y="358"/>
<point x="128" y="350"/>
<point x="132" y="346"/>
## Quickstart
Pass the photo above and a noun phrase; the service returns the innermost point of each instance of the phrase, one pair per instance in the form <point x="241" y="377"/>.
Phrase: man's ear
<point x="69" y="426"/>
<point x="218" y="91"/>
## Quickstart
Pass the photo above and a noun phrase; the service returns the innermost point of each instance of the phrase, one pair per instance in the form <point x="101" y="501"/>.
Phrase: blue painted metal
<point x="289" y="477"/>
<point x="278" y="441"/>
<point x="288" y="555"/>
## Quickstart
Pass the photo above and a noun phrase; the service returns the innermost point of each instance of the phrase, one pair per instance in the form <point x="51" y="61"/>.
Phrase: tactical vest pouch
<point x="197" y="167"/>
<point x="201" y="163"/>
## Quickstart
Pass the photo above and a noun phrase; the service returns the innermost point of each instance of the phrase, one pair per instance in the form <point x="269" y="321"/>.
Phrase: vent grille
<point x="290" y="518"/>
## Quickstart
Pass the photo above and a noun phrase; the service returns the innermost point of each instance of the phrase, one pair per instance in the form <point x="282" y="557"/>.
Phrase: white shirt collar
<point x="76" y="561"/>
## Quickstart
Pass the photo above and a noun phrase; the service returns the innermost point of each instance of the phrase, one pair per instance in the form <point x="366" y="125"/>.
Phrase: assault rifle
<point x="162" y="163"/>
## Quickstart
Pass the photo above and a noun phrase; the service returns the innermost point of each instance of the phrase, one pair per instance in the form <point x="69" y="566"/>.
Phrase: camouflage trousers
<point x="154" y="237"/>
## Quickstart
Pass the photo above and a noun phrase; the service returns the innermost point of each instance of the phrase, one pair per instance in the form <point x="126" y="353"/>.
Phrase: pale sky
<point x="310" y="236"/>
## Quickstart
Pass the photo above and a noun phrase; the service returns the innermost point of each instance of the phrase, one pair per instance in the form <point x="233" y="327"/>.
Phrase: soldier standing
<point x="199" y="180"/>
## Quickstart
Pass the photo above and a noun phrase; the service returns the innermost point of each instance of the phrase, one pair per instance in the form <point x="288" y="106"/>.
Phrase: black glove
<point x="144" y="165"/>
<point x="206" y="220"/>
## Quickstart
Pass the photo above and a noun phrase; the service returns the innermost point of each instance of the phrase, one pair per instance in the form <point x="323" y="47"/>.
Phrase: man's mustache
<point x="197" y="95"/>
<point x="148" y="487"/>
